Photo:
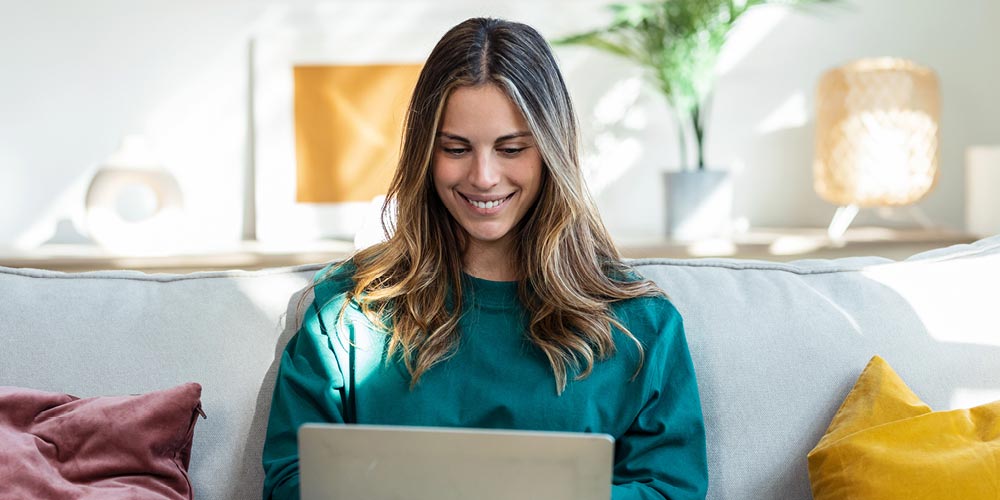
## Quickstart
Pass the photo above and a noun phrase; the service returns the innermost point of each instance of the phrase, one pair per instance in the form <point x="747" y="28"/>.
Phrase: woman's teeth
<point x="486" y="204"/>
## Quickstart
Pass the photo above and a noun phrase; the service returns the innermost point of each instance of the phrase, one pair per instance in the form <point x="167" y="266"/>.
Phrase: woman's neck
<point x="491" y="261"/>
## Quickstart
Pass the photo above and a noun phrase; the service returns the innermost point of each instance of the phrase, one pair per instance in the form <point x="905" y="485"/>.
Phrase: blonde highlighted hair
<point x="569" y="270"/>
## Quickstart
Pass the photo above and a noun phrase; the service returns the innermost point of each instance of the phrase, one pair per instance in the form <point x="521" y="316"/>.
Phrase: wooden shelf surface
<point x="773" y="244"/>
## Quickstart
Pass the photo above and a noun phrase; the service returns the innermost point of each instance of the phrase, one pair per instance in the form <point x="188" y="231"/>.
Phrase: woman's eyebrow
<point x="500" y="139"/>
<point x="454" y="137"/>
<point x="508" y="137"/>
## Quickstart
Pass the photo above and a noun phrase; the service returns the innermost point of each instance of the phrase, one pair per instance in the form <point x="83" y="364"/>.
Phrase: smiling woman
<point x="499" y="300"/>
<point x="488" y="173"/>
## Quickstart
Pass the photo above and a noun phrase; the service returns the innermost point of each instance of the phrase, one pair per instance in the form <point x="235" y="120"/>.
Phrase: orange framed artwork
<point x="348" y="120"/>
<point x="325" y="131"/>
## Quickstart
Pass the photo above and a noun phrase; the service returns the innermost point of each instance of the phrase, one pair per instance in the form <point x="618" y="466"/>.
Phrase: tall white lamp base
<point x="842" y="219"/>
<point x="845" y="215"/>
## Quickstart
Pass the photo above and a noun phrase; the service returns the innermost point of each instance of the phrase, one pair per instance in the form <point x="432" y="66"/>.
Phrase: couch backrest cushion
<point x="777" y="347"/>
<point x="126" y="332"/>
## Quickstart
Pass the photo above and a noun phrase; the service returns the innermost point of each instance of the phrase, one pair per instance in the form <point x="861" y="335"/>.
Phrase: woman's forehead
<point x="482" y="113"/>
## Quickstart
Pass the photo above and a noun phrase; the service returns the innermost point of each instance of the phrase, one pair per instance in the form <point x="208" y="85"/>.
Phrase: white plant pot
<point x="699" y="204"/>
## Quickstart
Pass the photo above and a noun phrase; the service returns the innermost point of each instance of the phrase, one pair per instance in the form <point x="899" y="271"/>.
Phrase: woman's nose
<point x="485" y="172"/>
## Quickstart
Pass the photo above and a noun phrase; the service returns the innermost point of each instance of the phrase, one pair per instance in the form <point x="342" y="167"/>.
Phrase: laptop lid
<point x="348" y="462"/>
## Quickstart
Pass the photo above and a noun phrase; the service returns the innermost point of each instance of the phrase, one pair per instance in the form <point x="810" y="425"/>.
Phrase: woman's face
<point x="487" y="168"/>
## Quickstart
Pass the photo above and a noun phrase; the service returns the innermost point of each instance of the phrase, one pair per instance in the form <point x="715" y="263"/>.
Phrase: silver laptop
<point x="360" y="462"/>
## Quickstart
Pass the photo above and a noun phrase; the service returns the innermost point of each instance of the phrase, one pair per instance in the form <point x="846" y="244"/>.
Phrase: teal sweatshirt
<point x="498" y="379"/>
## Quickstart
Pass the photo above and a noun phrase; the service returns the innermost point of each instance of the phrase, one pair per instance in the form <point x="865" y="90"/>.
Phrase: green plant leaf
<point x="678" y="43"/>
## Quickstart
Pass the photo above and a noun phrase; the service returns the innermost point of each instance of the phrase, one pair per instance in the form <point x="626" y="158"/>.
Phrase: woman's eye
<point x="511" y="151"/>
<point x="454" y="151"/>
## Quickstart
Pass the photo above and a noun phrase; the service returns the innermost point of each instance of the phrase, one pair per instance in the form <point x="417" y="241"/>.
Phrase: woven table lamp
<point x="876" y="136"/>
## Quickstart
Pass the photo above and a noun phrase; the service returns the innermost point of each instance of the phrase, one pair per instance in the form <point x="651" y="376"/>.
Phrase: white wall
<point x="762" y="118"/>
<point x="75" y="77"/>
<point x="78" y="76"/>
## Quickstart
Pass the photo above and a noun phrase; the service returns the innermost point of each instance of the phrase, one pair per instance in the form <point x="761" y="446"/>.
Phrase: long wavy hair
<point x="569" y="270"/>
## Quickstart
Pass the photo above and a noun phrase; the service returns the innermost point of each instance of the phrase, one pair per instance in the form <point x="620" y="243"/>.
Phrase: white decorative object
<point x="134" y="206"/>
<point x="982" y="190"/>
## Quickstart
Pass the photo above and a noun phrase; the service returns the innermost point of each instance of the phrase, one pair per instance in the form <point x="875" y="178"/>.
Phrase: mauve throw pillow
<point x="60" y="446"/>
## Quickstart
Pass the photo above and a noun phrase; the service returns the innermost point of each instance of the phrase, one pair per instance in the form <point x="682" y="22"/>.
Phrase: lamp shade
<point x="877" y="133"/>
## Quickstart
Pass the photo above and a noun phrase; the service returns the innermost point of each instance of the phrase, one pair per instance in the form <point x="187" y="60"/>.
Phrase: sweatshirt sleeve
<point x="308" y="388"/>
<point x="662" y="455"/>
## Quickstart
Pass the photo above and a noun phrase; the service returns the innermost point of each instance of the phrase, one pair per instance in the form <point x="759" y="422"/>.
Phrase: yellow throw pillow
<point x="884" y="443"/>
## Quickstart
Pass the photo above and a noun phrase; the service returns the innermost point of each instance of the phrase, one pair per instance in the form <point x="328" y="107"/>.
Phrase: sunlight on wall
<point x="951" y="298"/>
<point x="748" y="33"/>
<point x="614" y="152"/>
<point x="13" y="173"/>
<point x="198" y="134"/>
<point x="25" y="230"/>
<point x="618" y="102"/>
<point x="612" y="158"/>
<point x="43" y="227"/>
<point x="790" y="114"/>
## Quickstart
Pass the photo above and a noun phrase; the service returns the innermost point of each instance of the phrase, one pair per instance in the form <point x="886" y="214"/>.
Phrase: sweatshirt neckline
<point x="483" y="292"/>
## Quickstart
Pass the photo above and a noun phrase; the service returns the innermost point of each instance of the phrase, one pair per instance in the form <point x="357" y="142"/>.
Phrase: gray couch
<point x="776" y="348"/>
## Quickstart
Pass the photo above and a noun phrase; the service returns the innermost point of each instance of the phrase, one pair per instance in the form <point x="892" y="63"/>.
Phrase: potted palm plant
<point x="678" y="42"/>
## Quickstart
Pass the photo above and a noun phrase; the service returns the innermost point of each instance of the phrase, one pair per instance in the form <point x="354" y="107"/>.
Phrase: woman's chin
<point x="487" y="237"/>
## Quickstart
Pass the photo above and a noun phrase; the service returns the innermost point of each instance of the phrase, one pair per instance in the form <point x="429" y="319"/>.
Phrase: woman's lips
<point x="487" y="207"/>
